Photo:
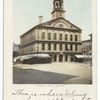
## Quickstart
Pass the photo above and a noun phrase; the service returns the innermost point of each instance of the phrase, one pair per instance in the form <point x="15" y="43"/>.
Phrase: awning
<point x="21" y="58"/>
<point x="83" y="56"/>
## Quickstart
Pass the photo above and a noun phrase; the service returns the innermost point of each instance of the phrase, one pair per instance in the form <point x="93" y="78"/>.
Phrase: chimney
<point x="40" y="19"/>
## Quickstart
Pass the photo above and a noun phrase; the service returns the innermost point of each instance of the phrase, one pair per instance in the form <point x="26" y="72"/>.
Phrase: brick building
<point x="58" y="37"/>
<point x="87" y="49"/>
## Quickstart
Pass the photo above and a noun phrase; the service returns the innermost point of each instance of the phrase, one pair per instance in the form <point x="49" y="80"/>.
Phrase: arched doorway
<point x="66" y="58"/>
<point x="60" y="58"/>
<point x="55" y="58"/>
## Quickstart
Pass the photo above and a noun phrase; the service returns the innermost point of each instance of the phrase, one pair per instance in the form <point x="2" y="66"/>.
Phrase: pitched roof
<point x="50" y="22"/>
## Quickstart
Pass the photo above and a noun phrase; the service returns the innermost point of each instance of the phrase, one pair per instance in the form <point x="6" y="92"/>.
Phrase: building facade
<point x="87" y="49"/>
<point x="58" y="37"/>
<point x="16" y="47"/>
<point x="16" y="50"/>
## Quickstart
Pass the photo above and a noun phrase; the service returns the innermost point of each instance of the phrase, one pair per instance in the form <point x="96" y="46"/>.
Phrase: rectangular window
<point x="43" y="35"/>
<point x="49" y="46"/>
<point x="66" y="37"/>
<point x="49" y="36"/>
<point x="71" y="47"/>
<point x="66" y="47"/>
<point x="71" y="37"/>
<point x="43" y="46"/>
<point x="76" y="47"/>
<point x="55" y="46"/>
<point x="55" y="36"/>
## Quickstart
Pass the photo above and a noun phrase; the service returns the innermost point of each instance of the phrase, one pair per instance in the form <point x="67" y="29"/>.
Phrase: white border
<point x="98" y="45"/>
<point x="1" y="49"/>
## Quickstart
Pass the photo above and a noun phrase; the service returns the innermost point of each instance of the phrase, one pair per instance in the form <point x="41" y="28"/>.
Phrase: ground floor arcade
<point x="62" y="58"/>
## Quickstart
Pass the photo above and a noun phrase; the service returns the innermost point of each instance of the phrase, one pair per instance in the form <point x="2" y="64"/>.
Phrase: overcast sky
<point x="26" y="12"/>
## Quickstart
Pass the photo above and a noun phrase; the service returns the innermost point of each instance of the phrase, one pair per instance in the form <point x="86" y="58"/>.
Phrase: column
<point x="63" y="58"/>
<point x="79" y="38"/>
<point x="40" y="34"/>
<point x="52" y="58"/>
<point x="52" y="47"/>
<point x="74" y="48"/>
<point x="79" y="50"/>
<point x="46" y="34"/>
<point x="52" y="35"/>
<point x="63" y="36"/>
<point x="39" y="47"/>
<point x="46" y="47"/>
<point x="58" y="49"/>
<point x="69" y="58"/>
<point x="74" y="36"/>
<point x="57" y="58"/>
<point x="36" y="34"/>
<point x="69" y="47"/>
<point x="63" y="47"/>
<point x="68" y="36"/>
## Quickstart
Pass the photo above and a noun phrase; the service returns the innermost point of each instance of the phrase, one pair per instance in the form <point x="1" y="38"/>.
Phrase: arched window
<point x="66" y="37"/>
<point x="71" y="37"/>
<point x="55" y="36"/>
<point x="60" y="46"/>
<point x="60" y="25"/>
<point x="49" y="46"/>
<point x="55" y="46"/>
<point x="76" y="38"/>
<point x="57" y="4"/>
<point x="60" y="58"/>
<point x="60" y="37"/>
<point x="43" y="35"/>
<point x="49" y="36"/>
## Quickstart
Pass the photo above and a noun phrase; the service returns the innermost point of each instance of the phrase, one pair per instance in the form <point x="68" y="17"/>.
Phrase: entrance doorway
<point x="66" y="58"/>
<point x="60" y="58"/>
<point x="55" y="58"/>
<point x="72" y="58"/>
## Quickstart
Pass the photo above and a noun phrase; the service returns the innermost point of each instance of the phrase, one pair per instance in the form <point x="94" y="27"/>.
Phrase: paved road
<point x="55" y="73"/>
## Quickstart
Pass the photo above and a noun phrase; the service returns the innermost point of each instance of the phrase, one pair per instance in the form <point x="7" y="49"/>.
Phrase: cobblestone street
<point x="54" y="73"/>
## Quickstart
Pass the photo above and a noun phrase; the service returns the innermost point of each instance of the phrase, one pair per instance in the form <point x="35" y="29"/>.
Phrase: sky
<point x="26" y="12"/>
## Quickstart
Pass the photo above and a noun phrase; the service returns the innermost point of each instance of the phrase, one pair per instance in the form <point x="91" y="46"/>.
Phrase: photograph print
<point x="52" y="42"/>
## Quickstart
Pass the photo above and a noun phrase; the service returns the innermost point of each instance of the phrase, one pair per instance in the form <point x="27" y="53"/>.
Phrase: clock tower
<point x="58" y="9"/>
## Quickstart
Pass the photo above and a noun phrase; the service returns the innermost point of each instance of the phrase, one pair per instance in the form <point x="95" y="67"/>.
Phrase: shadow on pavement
<point x="32" y="76"/>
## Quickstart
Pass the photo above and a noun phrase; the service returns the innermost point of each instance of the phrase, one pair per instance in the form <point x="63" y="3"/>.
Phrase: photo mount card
<point x="50" y="50"/>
